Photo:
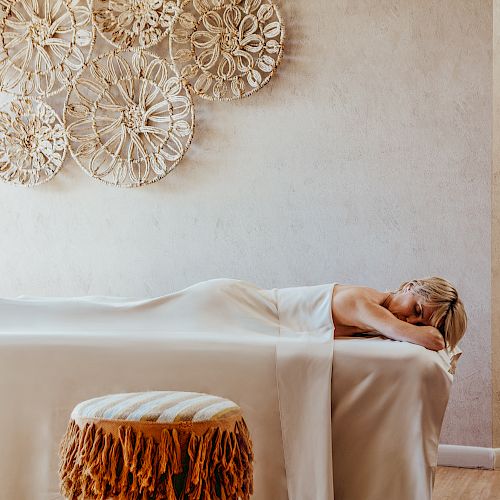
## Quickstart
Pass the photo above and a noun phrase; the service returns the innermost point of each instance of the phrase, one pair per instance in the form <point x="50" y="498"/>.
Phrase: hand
<point x="429" y="337"/>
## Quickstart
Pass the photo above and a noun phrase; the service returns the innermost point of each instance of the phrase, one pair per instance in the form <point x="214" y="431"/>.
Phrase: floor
<point x="452" y="483"/>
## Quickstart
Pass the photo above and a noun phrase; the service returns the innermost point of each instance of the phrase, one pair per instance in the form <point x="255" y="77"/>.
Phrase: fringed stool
<point x="157" y="445"/>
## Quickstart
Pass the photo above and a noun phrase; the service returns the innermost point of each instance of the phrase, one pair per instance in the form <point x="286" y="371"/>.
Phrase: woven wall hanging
<point x="139" y="23"/>
<point x="32" y="142"/>
<point x="128" y="116"/>
<point x="43" y="44"/>
<point x="227" y="49"/>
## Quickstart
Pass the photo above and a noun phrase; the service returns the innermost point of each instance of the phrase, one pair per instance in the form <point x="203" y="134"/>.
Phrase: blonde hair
<point x="449" y="316"/>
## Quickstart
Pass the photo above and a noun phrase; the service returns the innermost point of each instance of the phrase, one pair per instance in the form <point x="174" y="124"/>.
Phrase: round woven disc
<point x="32" y="142"/>
<point x="43" y="44"/>
<point x="129" y="118"/>
<point x="227" y="49"/>
<point x="134" y="23"/>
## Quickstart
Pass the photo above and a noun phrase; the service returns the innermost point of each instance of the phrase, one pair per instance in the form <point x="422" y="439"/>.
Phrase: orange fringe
<point x="97" y="465"/>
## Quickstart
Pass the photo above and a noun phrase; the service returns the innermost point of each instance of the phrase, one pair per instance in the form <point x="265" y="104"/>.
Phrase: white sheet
<point x="389" y="400"/>
<point x="270" y="351"/>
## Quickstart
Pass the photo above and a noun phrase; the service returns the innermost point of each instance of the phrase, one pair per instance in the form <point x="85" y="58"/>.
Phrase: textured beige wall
<point x="366" y="160"/>
<point x="495" y="226"/>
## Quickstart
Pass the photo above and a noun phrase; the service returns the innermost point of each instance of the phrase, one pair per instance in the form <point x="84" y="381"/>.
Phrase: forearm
<point x="381" y="320"/>
<point x="378" y="318"/>
<point x="399" y="330"/>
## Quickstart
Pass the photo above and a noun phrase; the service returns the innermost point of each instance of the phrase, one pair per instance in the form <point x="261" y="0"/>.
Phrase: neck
<point x="387" y="300"/>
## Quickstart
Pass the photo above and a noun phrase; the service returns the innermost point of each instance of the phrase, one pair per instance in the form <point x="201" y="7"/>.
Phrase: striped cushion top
<point x="157" y="406"/>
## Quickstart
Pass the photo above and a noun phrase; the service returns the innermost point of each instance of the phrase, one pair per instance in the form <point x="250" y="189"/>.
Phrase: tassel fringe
<point x="99" y="465"/>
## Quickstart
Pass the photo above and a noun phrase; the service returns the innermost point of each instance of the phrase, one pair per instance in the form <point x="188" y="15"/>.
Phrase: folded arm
<point x="376" y="317"/>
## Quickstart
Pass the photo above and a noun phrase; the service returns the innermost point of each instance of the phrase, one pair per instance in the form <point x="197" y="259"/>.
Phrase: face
<point x="410" y="307"/>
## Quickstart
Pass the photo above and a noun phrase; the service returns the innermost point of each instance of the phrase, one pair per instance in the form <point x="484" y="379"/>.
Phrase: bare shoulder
<point x="347" y="302"/>
<point x="350" y="294"/>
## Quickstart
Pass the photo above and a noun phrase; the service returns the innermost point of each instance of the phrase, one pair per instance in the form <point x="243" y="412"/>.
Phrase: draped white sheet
<point x="271" y="351"/>
<point x="268" y="350"/>
<point x="389" y="400"/>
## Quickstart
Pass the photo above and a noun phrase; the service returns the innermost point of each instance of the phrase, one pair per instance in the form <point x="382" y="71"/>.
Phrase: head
<point x="434" y="302"/>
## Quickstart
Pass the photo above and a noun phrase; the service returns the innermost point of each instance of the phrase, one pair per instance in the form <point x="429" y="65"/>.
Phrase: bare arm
<point x="376" y="317"/>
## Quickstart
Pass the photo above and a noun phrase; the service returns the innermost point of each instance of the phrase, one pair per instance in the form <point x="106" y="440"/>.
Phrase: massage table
<point x="350" y="419"/>
<point x="388" y="405"/>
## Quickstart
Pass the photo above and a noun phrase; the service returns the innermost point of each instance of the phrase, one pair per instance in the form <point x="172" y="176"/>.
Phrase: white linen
<point x="388" y="405"/>
<point x="270" y="351"/>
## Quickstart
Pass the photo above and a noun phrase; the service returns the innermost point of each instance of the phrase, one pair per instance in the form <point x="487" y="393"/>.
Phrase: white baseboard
<point x="470" y="457"/>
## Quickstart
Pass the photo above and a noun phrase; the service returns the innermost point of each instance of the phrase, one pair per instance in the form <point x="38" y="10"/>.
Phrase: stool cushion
<point x="159" y="445"/>
<point x="157" y="406"/>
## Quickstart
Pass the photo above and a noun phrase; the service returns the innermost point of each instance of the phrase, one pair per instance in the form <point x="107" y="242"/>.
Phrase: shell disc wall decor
<point x="43" y="44"/>
<point x="134" y="23"/>
<point x="227" y="49"/>
<point x="128" y="114"/>
<point x="129" y="118"/>
<point x="32" y="142"/>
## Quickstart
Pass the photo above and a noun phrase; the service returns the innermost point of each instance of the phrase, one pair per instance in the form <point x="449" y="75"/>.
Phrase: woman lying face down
<point x="426" y="311"/>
